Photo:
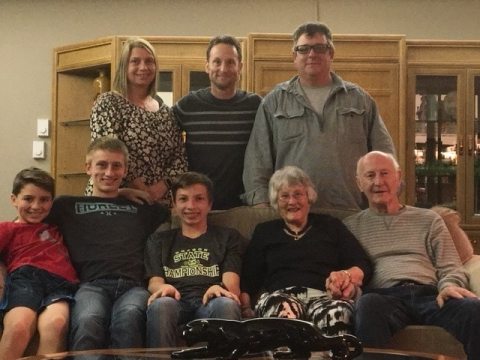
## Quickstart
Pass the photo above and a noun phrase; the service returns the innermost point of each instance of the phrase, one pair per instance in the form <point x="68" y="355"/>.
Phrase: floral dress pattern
<point x="153" y="139"/>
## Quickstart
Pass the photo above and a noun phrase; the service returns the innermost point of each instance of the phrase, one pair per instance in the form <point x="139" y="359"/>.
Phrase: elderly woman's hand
<point x="339" y="282"/>
<point x="344" y="284"/>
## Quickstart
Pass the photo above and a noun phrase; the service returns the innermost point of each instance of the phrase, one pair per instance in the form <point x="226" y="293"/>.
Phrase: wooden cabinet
<point x="181" y="67"/>
<point x="442" y="117"/>
<point x="75" y="68"/>
<point x="377" y="63"/>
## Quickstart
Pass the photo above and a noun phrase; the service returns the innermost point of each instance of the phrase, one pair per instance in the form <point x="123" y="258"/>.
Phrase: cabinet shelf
<point x="72" y="175"/>
<point x="79" y="122"/>
<point x="90" y="71"/>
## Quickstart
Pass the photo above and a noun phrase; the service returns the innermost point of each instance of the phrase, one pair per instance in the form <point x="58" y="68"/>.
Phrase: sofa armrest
<point x="472" y="267"/>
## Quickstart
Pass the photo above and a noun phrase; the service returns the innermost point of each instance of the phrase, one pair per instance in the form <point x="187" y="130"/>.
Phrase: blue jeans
<point x="108" y="313"/>
<point x="165" y="314"/>
<point x="380" y="313"/>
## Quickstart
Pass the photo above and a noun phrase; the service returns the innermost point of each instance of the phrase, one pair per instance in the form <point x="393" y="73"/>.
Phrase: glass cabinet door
<point x="472" y="149"/>
<point x="436" y="145"/>
<point x="476" y="145"/>
<point x="177" y="80"/>
<point x="194" y="77"/>
<point x="165" y="86"/>
<point x="198" y="80"/>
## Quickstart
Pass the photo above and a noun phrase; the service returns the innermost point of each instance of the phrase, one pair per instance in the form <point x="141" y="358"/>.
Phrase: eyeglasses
<point x="297" y="195"/>
<point x="317" y="48"/>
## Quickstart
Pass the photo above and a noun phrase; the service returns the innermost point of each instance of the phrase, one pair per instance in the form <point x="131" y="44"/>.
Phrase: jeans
<point x="108" y="313"/>
<point x="165" y="314"/>
<point x="380" y="313"/>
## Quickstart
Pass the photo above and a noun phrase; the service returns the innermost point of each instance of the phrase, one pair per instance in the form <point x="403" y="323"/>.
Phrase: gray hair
<point x="120" y="83"/>
<point x="380" y="153"/>
<point x="289" y="176"/>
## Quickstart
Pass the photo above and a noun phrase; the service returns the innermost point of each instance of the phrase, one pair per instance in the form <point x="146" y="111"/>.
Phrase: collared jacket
<point x="288" y="131"/>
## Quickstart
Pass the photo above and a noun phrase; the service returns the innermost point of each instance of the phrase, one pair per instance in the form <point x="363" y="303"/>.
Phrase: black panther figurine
<point x="230" y="339"/>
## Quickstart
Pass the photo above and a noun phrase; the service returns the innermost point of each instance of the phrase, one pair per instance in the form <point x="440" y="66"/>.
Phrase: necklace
<point x="296" y="235"/>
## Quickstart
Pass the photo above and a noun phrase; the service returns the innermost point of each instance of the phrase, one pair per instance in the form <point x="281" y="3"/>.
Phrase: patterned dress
<point x="153" y="139"/>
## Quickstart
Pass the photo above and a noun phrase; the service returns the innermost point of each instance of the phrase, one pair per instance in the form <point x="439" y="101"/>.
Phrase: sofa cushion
<point x="245" y="218"/>
<point x="460" y="238"/>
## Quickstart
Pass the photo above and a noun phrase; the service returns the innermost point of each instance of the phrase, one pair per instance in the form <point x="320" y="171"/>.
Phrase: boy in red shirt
<point x="41" y="280"/>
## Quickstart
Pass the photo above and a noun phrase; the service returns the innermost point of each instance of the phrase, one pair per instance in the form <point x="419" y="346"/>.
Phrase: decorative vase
<point x="101" y="84"/>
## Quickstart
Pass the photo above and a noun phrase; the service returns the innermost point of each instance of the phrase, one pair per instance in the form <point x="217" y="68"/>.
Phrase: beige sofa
<point x="413" y="338"/>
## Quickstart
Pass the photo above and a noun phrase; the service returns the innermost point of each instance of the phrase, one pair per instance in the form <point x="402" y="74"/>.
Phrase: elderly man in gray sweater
<point x="418" y="276"/>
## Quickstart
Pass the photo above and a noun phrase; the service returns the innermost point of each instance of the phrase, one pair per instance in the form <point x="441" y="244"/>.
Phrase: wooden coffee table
<point x="164" y="353"/>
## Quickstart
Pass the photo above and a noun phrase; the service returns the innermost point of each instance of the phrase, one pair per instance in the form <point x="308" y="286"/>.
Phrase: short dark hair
<point x="190" y="178"/>
<point x="35" y="176"/>
<point x="109" y="144"/>
<point x="225" y="39"/>
<point x="312" y="28"/>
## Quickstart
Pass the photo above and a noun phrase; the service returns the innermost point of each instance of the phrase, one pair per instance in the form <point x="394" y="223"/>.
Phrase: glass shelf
<point x="435" y="140"/>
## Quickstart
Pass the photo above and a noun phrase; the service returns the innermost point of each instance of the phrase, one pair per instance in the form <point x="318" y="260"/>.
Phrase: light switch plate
<point x="38" y="149"/>
<point x="43" y="128"/>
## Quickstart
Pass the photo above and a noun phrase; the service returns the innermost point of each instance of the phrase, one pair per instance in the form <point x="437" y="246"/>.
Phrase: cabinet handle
<point x="470" y="145"/>
<point x="460" y="146"/>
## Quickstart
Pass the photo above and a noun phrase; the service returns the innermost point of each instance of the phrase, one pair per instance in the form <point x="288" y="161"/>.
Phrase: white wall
<point x="30" y="29"/>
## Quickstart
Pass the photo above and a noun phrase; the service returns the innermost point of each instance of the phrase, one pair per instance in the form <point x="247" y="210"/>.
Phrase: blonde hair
<point x="120" y="83"/>
<point x="107" y="143"/>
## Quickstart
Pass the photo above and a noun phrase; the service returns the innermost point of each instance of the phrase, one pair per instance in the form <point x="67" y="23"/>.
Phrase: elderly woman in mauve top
<point x="305" y="266"/>
<point x="135" y="114"/>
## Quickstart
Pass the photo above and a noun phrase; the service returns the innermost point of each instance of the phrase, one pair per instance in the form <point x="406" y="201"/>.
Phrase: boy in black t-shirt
<point x="193" y="271"/>
<point x="105" y="235"/>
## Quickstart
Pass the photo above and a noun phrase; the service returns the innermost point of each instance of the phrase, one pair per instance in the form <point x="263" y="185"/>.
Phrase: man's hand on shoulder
<point x="455" y="292"/>
<point x="138" y="196"/>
